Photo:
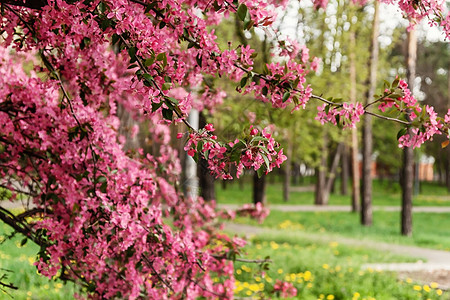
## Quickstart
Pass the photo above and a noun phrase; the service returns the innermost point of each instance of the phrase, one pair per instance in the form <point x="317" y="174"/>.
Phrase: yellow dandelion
<point x="274" y="245"/>
<point x="238" y="271"/>
<point x="408" y="280"/>
<point x="307" y="276"/>
<point x="434" y="285"/>
<point x="417" y="288"/>
<point x="325" y="266"/>
<point x="268" y="279"/>
<point x="309" y="285"/>
<point x="426" y="288"/>
<point x="333" y="244"/>
<point x="330" y="297"/>
<point x="258" y="279"/>
<point x="356" y="296"/>
<point x="439" y="292"/>
<point x="280" y="271"/>
<point x="248" y="293"/>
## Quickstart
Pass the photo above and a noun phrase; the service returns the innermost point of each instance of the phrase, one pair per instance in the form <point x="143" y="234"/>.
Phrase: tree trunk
<point x="287" y="171"/>
<point x="334" y="165"/>
<point x="408" y="153"/>
<point x="366" y="188"/>
<point x="324" y="183"/>
<point x="206" y="180"/>
<point x="354" y="144"/>
<point x="344" y="172"/>
<point x="320" y="195"/>
<point x="126" y="127"/>
<point x="259" y="188"/>
<point x="190" y="184"/>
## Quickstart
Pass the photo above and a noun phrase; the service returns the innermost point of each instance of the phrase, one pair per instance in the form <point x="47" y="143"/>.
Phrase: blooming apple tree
<point x="65" y="66"/>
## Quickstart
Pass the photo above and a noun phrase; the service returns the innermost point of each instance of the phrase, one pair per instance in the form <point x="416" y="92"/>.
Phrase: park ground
<point x="322" y="251"/>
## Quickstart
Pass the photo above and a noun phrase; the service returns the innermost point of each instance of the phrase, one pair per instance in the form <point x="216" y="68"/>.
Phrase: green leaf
<point x="286" y="96"/>
<point x="258" y="138"/>
<point x="103" y="187"/>
<point x="244" y="81"/>
<point x="401" y="132"/>
<point x="167" y="114"/>
<point x="265" y="90"/>
<point x="166" y="86"/>
<point x="266" y="160"/>
<point x="148" y="77"/>
<point x="156" y="106"/>
<point x="195" y="157"/>
<point x="242" y="11"/>
<point x="395" y="82"/>
<point x="132" y="52"/>
<point x="260" y="172"/>
<point x="236" y="151"/>
<point x="163" y="58"/>
<point x="149" y="61"/>
<point x="199" y="60"/>
<point x="200" y="146"/>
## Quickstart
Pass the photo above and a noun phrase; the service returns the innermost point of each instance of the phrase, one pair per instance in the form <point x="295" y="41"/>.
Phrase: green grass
<point x="322" y="269"/>
<point x="384" y="193"/>
<point x="429" y="230"/>
<point x="17" y="263"/>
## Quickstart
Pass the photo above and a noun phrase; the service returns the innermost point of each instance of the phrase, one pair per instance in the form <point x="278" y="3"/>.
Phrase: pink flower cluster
<point x="427" y="123"/>
<point x="283" y="84"/>
<point x="285" y="289"/>
<point x="259" y="152"/>
<point x="256" y="211"/>
<point x="347" y="114"/>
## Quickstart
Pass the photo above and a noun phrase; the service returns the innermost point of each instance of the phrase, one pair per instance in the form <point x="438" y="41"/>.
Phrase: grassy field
<point x="17" y="263"/>
<point x="384" y="193"/>
<point x="318" y="269"/>
<point x="429" y="229"/>
<point x="324" y="271"/>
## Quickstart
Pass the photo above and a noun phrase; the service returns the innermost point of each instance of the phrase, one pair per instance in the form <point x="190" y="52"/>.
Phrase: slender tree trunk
<point x="344" y="172"/>
<point x="366" y="188"/>
<point x="321" y="197"/>
<point x="190" y="184"/>
<point x="287" y="171"/>
<point x="259" y="189"/>
<point x="206" y="180"/>
<point x="448" y="105"/>
<point x="408" y="154"/>
<point x="354" y="144"/>
<point x="333" y="170"/>
<point x="126" y="127"/>
<point x="324" y="182"/>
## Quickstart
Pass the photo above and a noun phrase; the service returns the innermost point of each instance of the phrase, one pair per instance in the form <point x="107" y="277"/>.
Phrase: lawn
<point x="16" y="262"/>
<point x="384" y="193"/>
<point x="429" y="229"/>
<point x="324" y="270"/>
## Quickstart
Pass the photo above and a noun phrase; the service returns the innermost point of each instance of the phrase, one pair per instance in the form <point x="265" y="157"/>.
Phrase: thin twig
<point x="253" y="261"/>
